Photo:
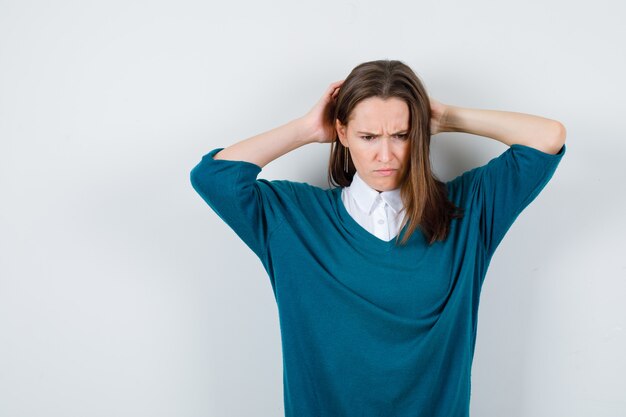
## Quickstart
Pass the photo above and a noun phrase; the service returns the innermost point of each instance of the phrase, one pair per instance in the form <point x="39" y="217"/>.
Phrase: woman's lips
<point x="385" y="172"/>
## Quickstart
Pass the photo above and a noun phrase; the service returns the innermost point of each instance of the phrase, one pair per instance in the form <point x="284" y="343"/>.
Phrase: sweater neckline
<point x="359" y="231"/>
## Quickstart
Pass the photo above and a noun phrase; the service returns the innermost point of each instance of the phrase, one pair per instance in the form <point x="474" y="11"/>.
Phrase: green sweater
<point x="369" y="328"/>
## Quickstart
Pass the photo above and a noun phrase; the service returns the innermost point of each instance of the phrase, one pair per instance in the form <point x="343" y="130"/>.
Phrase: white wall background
<point x="123" y="294"/>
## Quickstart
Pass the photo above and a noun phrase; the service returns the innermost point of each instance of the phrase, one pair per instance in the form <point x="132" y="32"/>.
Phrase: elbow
<point x="560" y="132"/>
<point x="554" y="141"/>
<point x="559" y="137"/>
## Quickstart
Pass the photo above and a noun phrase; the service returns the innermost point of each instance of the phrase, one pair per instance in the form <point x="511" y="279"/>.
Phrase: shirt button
<point x="381" y="221"/>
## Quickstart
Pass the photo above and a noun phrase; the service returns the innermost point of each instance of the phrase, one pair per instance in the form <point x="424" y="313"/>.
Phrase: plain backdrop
<point x="123" y="294"/>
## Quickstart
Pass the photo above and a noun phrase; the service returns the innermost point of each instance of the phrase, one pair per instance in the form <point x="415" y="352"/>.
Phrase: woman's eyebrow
<point x="376" y="134"/>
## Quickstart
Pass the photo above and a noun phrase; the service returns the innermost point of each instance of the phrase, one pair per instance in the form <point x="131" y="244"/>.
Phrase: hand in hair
<point x="438" y="113"/>
<point x="320" y="126"/>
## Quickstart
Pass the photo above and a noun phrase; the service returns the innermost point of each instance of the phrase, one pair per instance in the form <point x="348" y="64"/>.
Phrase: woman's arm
<point x="546" y="135"/>
<point x="265" y="147"/>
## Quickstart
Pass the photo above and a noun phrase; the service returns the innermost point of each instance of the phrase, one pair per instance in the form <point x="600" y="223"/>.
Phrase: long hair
<point x="424" y="196"/>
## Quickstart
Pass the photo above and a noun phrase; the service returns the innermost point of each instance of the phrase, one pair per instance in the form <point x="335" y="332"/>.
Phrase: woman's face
<point x="377" y="138"/>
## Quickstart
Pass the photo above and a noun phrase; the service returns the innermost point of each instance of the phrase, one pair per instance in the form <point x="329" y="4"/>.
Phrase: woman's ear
<point x="341" y="132"/>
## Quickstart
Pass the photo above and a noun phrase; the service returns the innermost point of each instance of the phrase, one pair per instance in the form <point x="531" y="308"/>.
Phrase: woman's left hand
<point x="438" y="113"/>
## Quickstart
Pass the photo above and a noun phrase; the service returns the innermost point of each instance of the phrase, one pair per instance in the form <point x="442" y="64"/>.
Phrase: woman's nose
<point x="384" y="152"/>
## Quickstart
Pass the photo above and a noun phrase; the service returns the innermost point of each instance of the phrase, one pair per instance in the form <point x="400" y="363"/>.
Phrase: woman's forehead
<point x="374" y="113"/>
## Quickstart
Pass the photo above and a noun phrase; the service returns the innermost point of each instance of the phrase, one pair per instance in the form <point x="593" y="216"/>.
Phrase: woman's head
<point x="383" y="97"/>
<point x="382" y="120"/>
<point x="377" y="137"/>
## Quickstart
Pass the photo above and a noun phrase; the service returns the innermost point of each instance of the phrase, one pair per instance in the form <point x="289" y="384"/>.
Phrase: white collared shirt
<point x="379" y="213"/>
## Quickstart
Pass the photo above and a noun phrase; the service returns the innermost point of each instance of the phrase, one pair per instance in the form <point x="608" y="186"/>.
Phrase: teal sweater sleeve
<point x="252" y="207"/>
<point x="505" y="186"/>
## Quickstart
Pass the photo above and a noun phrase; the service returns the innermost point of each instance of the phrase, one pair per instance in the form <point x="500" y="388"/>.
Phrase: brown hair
<point x="424" y="196"/>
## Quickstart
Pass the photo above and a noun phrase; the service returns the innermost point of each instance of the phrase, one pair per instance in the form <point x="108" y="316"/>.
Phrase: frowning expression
<point x="377" y="138"/>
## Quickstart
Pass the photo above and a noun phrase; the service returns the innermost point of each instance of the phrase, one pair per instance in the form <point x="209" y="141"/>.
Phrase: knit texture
<point x="369" y="328"/>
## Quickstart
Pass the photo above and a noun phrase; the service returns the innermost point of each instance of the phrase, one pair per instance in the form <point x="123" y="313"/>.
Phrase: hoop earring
<point x="345" y="159"/>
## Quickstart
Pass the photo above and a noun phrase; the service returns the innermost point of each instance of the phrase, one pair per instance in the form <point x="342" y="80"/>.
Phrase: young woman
<point x="372" y="325"/>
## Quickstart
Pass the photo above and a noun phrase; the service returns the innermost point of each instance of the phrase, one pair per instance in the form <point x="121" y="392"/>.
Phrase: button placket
<point x="380" y="219"/>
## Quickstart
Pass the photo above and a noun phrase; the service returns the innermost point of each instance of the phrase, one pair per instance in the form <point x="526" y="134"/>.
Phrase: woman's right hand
<point x="319" y="120"/>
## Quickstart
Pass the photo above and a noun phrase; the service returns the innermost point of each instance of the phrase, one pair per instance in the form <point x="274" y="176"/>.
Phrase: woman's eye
<point x="369" y="137"/>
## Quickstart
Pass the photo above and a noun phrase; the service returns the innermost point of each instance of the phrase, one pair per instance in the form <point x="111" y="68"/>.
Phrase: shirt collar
<point x="366" y="196"/>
